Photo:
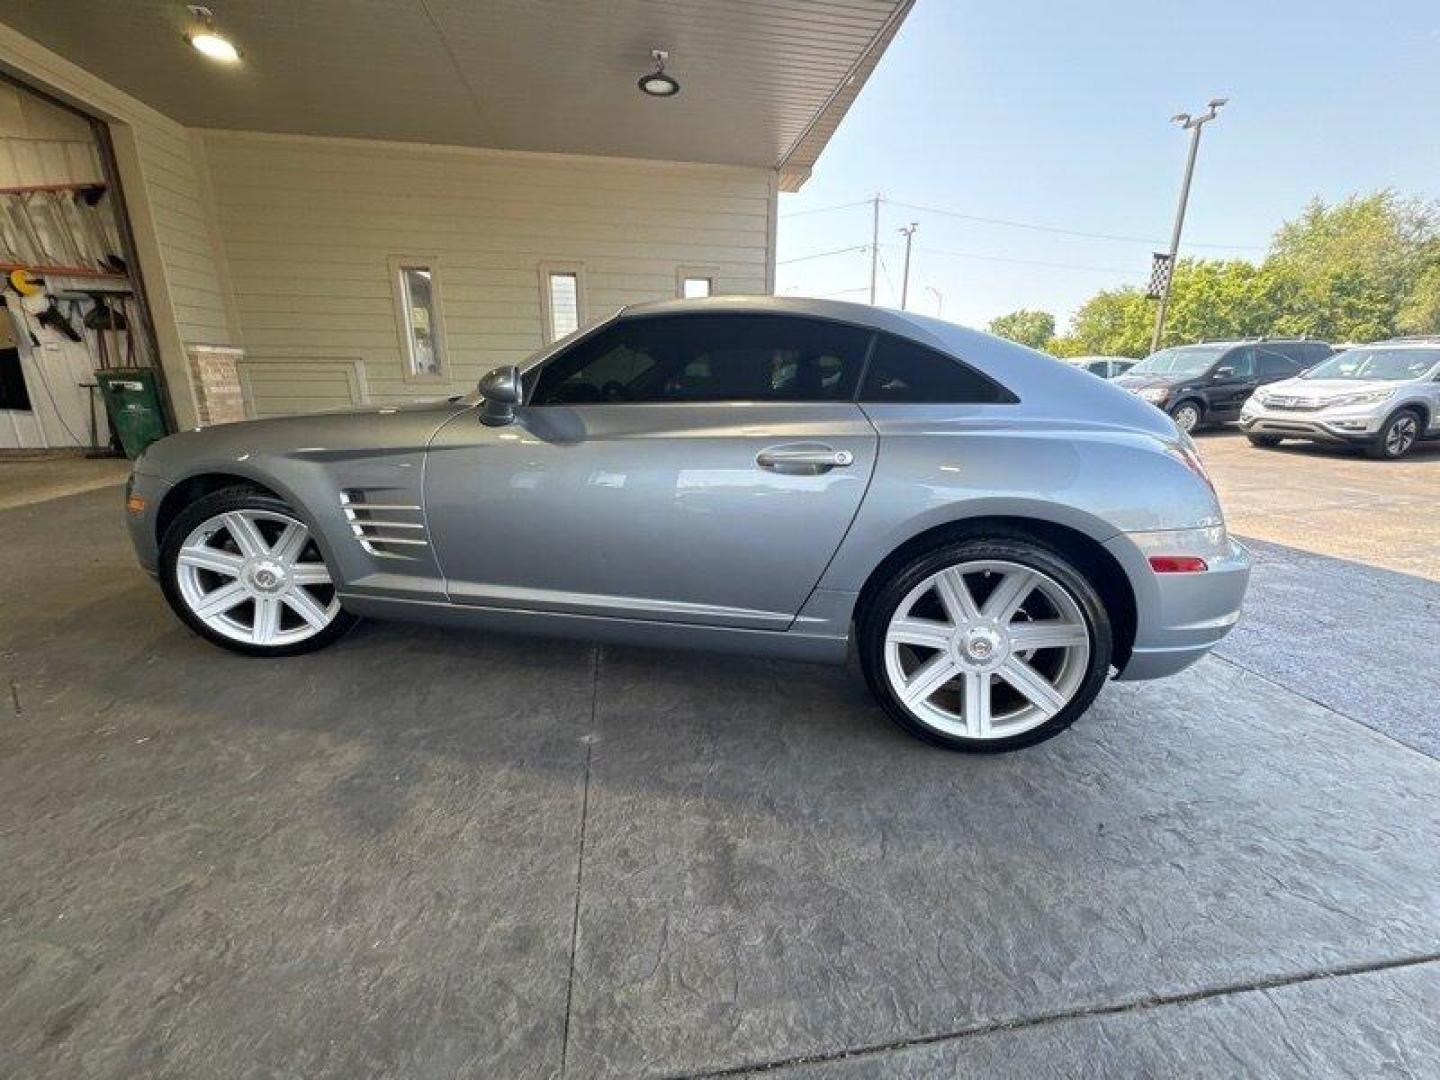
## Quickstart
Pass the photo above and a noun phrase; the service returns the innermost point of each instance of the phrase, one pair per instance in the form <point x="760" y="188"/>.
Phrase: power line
<point x="1028" y="262"/>
<point x="1056" y="229"/>
<point x="822" y="254"/>
<point x="826" y="209"/>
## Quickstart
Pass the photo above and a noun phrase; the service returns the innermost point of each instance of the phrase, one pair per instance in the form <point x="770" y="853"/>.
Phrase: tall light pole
<point x="909" y="234"/>
<point x="1192" y="124"/>
<point x="939" y="300"/>
<point x="874" y="242"/>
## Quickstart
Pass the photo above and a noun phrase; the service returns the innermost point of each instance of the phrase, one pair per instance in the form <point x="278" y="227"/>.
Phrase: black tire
<point x="196" y="514"/>
<point x="1190" y="404"/>
<point x="876" y="618"/>
<point x="1266" y="442"/>
<point x="1390" y="445"/>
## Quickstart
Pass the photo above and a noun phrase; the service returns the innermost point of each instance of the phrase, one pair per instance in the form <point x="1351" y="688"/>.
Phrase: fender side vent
<point x="394" y="530"/>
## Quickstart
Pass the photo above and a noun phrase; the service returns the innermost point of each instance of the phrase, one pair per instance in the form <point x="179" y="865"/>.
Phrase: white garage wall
<point x="310" y="227"/>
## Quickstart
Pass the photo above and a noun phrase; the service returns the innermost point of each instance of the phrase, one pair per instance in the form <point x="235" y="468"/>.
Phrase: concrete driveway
<point x="429" y="853"/>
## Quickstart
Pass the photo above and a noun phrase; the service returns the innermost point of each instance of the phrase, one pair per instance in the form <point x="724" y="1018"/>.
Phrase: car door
<point x="680" y="468"/>
<point x="1231" y="383"/>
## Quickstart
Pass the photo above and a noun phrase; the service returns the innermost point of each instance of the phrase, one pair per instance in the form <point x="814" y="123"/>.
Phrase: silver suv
<point x="1383" y="397"/>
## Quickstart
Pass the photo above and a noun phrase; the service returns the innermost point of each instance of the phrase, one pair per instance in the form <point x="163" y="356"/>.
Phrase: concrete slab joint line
<point x="1382" y="735"/>
<point x="589" y="740"/>
<point x="1133" y="1005"/>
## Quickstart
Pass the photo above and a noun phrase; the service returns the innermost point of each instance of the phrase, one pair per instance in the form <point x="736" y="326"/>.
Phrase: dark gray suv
<point x="1209" y="383"/>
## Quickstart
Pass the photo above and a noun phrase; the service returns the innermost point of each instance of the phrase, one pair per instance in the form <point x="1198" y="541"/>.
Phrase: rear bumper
<point x="1180" y="617"/>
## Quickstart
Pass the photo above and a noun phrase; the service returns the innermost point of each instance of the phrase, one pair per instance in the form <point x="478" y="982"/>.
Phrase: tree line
<point x="1362" y="269"/>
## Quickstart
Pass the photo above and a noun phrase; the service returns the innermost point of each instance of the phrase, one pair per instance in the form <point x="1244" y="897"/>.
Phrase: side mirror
<point x="502" y="390"/>
<point x="1224" y="373"/>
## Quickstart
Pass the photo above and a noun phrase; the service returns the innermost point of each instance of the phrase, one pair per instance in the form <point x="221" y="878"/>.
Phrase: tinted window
<point x="1098" y="367"/>
<point x="900" y="370"/>
<point x="1241" y="362"/>
<point x="1275" y="364"/>
<point x="708" y="358"/>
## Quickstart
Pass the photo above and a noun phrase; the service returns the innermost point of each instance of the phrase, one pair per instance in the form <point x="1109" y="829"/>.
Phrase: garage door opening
<point x="73" y="316"/>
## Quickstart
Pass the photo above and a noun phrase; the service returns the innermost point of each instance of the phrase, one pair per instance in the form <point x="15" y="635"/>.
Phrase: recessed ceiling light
<point x="205" y="39"/>
<point x="657" y="83"/>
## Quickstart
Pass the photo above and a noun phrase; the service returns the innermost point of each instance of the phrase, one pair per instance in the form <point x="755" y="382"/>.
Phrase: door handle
<point x="807" y="460"/>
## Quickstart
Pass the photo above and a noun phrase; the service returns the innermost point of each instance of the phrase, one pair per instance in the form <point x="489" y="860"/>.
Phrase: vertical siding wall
<point x="309" y="228"/>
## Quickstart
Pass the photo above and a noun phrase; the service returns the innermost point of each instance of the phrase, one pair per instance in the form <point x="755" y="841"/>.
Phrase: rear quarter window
<point x="903" y="371"/>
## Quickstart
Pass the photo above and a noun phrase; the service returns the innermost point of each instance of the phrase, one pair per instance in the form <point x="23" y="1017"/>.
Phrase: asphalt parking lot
<point x="424" y="852"/>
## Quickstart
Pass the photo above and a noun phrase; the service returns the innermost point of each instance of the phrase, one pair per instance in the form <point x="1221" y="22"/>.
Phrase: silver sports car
<point x="994" y="531"/>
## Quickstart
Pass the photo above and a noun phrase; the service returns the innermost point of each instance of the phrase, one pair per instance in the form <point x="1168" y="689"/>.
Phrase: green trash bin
<point x="132" y="402"/>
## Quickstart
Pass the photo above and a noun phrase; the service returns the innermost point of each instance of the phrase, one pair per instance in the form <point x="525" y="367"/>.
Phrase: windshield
<point x="1182" y="360"/>
<point x="1393" y="365"/>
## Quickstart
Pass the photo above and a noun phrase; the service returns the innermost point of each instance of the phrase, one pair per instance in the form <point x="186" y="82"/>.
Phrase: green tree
<point x="1113" y="322"/>
<point x="1344" y="272"/>
<point x="1032" y="328"/>
<point x="1420" y="313"/>
<point x="1363" y="269"/>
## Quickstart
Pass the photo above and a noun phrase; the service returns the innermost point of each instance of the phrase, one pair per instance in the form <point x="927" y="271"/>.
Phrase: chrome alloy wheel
<point x="257" y="577"/>
<point x="1186" y="417"/>
<point x="986" y="649"/>
<point x="1402" y="435"/>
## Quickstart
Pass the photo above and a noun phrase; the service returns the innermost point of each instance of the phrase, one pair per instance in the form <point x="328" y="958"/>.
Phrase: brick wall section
<point x="216" y="379"/>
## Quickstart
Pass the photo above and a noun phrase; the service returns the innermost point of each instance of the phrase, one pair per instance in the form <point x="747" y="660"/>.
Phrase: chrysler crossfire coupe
<point x="993" y="532"/>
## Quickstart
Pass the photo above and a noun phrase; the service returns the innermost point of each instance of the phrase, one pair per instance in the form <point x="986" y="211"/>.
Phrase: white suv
<point x="1383" y="397"/>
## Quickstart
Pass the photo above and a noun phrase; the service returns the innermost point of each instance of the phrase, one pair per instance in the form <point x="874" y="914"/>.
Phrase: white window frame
<point x="396" y="264"/>
<point x="709" y="273"/>
<point x="560" y="266"/>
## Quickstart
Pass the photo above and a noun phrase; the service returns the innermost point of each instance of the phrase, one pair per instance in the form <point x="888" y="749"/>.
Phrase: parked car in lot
<point x="1107" y="367"/>
<point x="1209" y="383"/>
<point x="1384" y="398"/>
<point x="771" y="476"/>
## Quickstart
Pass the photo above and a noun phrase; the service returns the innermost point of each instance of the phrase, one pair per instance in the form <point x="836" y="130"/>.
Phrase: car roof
<point x="1403" y="343"/>
<point x="904" y="323"/>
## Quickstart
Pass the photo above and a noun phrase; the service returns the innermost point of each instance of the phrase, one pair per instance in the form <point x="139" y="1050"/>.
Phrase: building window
<point x="562" y="299"/>
<point x="564" y="305"/>
<point x="694" y="282"/>
<point x="417" y="298"/>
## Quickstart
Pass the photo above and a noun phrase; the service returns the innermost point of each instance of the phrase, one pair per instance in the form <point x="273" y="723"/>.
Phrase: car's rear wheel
<point x="1186" y="416"/>
<point x="242" y="570"/>
<point x="1397" y="437"/>
<point x="986" y="645"/>
<point x="1266" y="441"/>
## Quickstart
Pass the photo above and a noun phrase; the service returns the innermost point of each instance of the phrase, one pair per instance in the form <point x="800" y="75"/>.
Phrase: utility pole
<point x="939" y="300"/>
<point x="874" y="242"/>
<point x="909" y="234"/>
<point x="1192" y="124"/>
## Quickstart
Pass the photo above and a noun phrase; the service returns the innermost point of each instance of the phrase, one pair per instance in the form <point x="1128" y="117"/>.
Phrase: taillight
<point x="1178" y="564"/>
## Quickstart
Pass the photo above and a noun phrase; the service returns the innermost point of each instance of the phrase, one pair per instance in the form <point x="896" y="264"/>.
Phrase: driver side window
<point x="694" y="358"/>
<point x="1242" y="361"/>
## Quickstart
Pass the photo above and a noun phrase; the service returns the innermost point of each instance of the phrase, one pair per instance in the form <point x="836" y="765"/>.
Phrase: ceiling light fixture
<point x="205" y="39"/>
<point x="657" y="83"/>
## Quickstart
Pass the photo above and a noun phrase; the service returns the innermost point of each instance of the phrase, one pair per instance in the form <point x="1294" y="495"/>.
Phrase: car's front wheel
<point x="242" y="570"/>
<point x="1397" y="437"/>
<point x="1186" y="416"/>
<point x="986" y="644"/>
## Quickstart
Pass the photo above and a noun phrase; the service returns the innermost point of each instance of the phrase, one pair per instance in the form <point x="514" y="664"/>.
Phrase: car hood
<point x="1145" y="382"/>
<point x="1329" y="388"/>
<point x="314" y="435"/>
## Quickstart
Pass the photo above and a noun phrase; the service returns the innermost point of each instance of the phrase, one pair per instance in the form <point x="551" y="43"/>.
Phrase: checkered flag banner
<point x="1159" y="276"/>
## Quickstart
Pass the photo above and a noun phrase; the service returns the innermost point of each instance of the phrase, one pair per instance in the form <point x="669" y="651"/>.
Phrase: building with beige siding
<point x="378" y="203"/>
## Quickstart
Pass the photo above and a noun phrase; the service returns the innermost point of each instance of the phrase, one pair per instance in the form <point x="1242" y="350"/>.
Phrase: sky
<point x="1057" y="114"/>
